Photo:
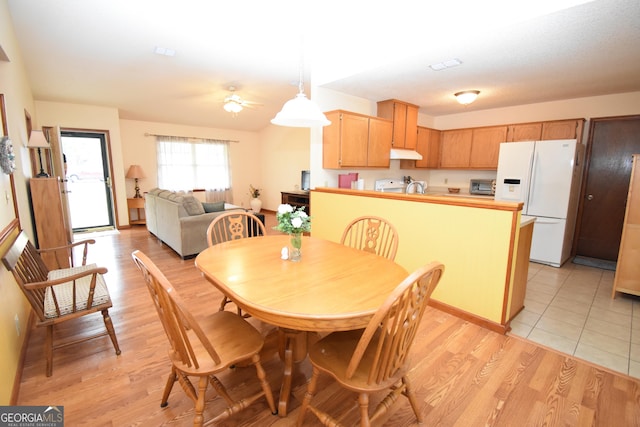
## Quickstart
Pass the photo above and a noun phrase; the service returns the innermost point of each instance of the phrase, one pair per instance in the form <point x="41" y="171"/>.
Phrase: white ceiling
<point x="101" y="52"/>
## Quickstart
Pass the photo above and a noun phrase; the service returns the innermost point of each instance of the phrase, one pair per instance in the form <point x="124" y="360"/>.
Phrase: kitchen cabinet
<point x="473" y="148"/>
<point x="554" y="129"/>
<point x="53" y="229"/>
<point x="485" y="146"/>
<point x="428" y="145"/>
<point x="405" y="122"/>
<point x="627" y="276"/>
<point x="355" y="140"/>
<point x="455" y="148"/>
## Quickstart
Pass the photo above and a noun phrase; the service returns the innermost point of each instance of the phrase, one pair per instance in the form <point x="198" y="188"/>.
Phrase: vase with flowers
<point x="256" y="203"/>
<point x="293" y="221"/>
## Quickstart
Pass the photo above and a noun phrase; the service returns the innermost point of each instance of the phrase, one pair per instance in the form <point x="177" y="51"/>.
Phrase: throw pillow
<point x="213" y="207"/>
<point x="192" y="205"/>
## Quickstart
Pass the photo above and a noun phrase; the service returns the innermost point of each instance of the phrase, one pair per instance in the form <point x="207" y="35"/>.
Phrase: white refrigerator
<point x="545" y="176"/>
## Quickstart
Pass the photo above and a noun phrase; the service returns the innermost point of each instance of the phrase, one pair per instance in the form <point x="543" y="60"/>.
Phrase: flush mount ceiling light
<point x="467" y="97"/>
<point x="300" y="112"/>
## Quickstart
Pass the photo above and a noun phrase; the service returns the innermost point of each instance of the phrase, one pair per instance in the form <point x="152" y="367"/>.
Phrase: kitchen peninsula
<point x="483" y="244"/>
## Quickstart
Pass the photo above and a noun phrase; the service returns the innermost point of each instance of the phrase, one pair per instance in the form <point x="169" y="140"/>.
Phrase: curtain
<point x="185" y="164"/>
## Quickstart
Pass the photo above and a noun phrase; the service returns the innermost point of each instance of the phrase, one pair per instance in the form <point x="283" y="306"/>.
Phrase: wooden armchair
<point x="61" y="294"/>
<point x="375" y="359"/>
<point x="203" y="347"/>
<point x="372" y="234"/>
<point x="232" y="226"/>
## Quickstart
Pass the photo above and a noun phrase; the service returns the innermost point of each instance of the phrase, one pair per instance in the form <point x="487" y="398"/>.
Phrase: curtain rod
<point x="192" y="137"/>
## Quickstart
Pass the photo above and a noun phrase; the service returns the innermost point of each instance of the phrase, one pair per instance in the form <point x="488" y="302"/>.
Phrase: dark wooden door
<point x="611" y="143"/>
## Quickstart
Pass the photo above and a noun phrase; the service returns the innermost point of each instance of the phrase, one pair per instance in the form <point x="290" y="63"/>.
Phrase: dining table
<point x="332" y="288"/>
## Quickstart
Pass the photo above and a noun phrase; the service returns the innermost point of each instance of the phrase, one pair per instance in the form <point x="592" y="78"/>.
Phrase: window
<point x="186" y="165"/>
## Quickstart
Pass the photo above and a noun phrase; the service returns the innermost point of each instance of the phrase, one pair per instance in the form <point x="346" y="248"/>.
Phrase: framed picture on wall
<point x="7" y="157"/>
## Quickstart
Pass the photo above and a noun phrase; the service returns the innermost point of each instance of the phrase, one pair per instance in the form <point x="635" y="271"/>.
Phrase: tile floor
<point x="571" y="310"/>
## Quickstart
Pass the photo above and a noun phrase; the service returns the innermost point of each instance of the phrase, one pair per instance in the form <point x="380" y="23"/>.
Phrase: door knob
<point x="590" y="197"/>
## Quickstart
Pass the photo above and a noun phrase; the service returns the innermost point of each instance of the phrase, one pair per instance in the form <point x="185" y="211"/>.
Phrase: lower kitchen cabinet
<point x="627" y="277"/>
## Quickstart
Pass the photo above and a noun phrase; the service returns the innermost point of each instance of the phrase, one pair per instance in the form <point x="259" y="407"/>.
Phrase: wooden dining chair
<point x="375" y="359"/>
<point x="232" y="226"/>
<point x="203" y="347"/>
<point x="372" y="234"/>
<point x="59" y="295"/>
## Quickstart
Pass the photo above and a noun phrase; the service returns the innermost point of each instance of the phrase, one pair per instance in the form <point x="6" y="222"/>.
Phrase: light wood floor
<point x="464" y="375"/>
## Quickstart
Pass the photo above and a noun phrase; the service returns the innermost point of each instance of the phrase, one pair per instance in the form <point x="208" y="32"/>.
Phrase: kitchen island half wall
<point x="477" y="240"/>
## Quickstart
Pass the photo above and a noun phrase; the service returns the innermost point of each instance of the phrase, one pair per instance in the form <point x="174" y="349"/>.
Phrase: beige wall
<point x="18" y="98"/>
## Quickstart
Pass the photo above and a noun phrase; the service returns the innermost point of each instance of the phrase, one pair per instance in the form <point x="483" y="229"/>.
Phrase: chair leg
<point x="363" y="401"/>
<point x="112" y="332"/>
<point x="173" y="377"/>
<point x="408" y="391"/>
<point x="198" y="420"/>
<point x="311" y="389"/>
<point x="48" y="349"/>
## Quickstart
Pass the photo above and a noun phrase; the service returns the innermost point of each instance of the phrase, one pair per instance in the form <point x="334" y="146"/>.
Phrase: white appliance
<point x="545" y="176"/>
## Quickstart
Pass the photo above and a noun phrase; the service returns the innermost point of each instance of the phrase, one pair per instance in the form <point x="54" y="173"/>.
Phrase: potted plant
<point x="255" y="202"/>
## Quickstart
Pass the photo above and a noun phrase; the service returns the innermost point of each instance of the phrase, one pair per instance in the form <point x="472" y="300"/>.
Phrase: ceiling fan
<point x="233" y="103"/>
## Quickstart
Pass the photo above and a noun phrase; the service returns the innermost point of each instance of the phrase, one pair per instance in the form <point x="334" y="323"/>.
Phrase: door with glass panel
<point x="88" y="180"/>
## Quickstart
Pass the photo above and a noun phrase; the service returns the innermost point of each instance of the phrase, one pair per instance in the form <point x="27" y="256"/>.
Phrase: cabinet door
<point x="399" y="125"/>
<point x="49" y="219"/>
<point x="561" y="129"/>
<point x="525" y="132"/>
<point x="411" y="132"/>
<point x="354" y="140"/>
<point x="485" y="146"/>
<point x="455" y="149"/>
<point x="428" y="144"/>
<point x="380" y="134"/>
<point x="331" y="141"/>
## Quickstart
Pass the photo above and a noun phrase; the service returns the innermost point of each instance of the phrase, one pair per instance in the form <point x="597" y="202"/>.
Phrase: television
<point x="305" y="180"/>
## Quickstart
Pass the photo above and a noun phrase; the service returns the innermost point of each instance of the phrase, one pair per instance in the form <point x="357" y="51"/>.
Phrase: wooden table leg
<point x="292" y="348"/>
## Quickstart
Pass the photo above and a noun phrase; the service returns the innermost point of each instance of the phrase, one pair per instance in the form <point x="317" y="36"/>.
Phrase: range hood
<point x="402" y="154"/>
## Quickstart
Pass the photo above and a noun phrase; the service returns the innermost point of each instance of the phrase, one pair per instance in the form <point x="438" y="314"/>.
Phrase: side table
<point x="138" y="205"/>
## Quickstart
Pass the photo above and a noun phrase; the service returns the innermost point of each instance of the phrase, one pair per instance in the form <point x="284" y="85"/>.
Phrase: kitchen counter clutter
<point x="484" y="245"/>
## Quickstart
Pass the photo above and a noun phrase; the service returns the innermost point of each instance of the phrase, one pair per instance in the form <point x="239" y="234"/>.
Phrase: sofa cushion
<point x="192" y="205"/>
<point x="213" y="207"/>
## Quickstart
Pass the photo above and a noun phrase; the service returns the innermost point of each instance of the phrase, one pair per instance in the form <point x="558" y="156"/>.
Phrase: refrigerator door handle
<point x="534" y="162"/>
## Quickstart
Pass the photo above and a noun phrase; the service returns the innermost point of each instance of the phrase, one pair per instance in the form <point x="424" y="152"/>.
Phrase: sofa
<point x="180" y="220"/>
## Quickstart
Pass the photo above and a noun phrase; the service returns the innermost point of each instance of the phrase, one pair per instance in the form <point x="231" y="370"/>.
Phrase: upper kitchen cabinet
<point x="474" y="148"/>
<point x="563" y="129"/>
<point x="556" y="129"/>
<point x="355" y="140"/>
<point x="455" y="148"/>
<point x="524" y="132"/>
<point x="405" y="122"/>
<point x="485" y="146"/>
<point x="428" y="145"/>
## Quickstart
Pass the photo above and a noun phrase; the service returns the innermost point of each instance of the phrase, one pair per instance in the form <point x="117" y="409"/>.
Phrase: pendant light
<point x="300" y="111"/>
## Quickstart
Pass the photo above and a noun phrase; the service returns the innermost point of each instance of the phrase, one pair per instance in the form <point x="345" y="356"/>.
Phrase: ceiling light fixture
<point x="300" y="112"/>
<point x="467" y="97"/>
<point x="233" y="104"/>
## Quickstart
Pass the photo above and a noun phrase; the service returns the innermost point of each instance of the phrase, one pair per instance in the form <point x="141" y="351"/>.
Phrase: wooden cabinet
<point x="53" y="229"/>
<point x="405" y="122"/>
<point x="485" y="147"/>
<point x="137" y="205"/>
<point x="474" y="148"/>
<point x="428" y="145"/>
<point x="297" y="199"/>
<point x="355" y="140"/>
<point x="627" y="276"/>
<point x="524" y="132"/>
<point x="537" y="131"/>
<point x="455" y="148"/>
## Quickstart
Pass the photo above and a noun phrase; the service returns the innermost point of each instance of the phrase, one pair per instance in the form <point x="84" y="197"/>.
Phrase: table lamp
<point x="38" y="140"/>
<point x="135" y="172"/>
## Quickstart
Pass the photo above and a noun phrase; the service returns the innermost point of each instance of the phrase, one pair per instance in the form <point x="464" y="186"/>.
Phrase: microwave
<point x="486" y="187"/>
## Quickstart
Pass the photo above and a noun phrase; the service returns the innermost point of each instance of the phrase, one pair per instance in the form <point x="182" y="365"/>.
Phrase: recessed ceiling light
<point x="164" y="51"/>
<point x="445" y="64"/>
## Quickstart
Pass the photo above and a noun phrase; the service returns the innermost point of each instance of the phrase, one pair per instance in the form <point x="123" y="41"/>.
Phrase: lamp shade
<point x="300" y="112"/>
<point x="135" y="172"/>
<point x="37" y="140"/>
<point x="467" y="97"/>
